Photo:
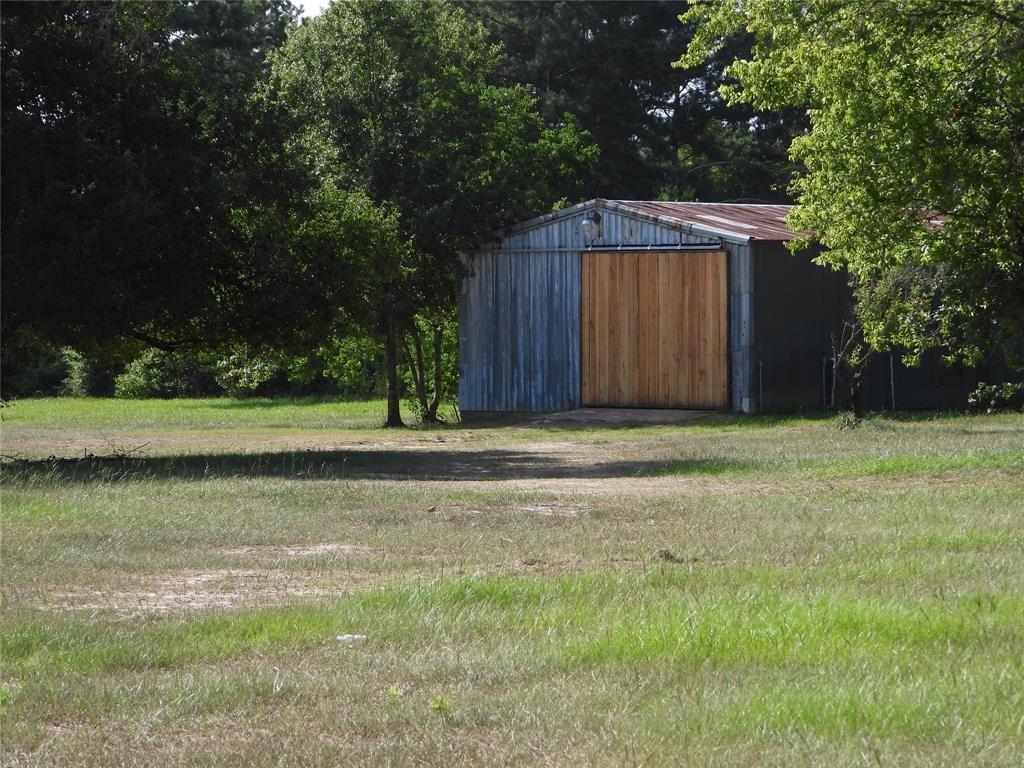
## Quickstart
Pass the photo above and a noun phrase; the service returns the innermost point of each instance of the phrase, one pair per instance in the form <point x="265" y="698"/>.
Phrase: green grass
<point x="769" y="591"/>
<point x="895" y="465"/>
<point x="197" y="413"/>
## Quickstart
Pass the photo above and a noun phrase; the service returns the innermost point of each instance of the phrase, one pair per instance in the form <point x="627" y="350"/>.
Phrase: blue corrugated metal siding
<point x="519" y="333"/>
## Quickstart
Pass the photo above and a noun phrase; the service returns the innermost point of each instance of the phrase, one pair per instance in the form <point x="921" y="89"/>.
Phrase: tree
<point x="663" y="131"/>
<point x="395" y="100"/>
<point x="148" y="190"/>
<point x="915" y="162"/>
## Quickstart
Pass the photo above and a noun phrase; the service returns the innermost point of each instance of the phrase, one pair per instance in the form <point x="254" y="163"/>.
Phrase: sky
<point x="311" y="8"/>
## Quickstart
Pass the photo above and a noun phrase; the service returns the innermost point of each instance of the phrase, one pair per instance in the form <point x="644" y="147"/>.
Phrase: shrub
<point x="76" y="379"/>
<point x="241" y="374"/>
<point x="356" y="365"/>
<point x="847" y="420"/>
<point x="993" y="397"/>
<point x="30" y="366"/>
<point x="157" y="373"/>
<point x="433" y="340"/>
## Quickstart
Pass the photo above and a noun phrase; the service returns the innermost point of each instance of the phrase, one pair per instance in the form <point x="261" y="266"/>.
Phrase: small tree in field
<point x="396" y="101"/>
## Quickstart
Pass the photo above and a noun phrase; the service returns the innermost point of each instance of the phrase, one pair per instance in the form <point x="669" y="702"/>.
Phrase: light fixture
<point x="591" y="227"/>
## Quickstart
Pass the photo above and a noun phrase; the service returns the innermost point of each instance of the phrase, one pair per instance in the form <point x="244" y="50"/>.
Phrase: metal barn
<point x="660" y="304"/>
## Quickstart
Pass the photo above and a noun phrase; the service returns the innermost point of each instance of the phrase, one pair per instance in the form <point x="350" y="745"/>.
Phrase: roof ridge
<point x="700" y="202"/>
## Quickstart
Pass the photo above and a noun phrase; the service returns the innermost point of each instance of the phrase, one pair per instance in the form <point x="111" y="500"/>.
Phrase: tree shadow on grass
<point x="412" y="465"/>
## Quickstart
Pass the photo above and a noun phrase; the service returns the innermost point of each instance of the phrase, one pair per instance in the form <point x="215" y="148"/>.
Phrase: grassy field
<point x="735" y="591"/>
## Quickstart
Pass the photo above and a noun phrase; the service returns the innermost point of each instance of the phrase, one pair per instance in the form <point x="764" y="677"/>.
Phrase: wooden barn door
<point x="655" y="329"/>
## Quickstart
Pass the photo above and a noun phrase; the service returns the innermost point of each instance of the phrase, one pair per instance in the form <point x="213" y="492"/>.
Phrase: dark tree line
<point x="663" y="132"/>
<point x="194" y="176"/>
<point x="145" y="192"/>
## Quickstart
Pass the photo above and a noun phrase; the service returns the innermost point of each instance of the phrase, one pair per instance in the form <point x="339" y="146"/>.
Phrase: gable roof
<point x="738" y="222"/>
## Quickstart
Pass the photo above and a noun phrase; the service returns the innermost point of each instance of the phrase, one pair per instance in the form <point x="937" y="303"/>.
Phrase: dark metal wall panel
<point x="797" y="306"/>
<point x="519" y="332"/>
<point x="932" y="384"/>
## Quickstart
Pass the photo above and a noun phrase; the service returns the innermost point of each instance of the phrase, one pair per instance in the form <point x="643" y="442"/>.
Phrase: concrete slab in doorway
<point x="618" y="416"/>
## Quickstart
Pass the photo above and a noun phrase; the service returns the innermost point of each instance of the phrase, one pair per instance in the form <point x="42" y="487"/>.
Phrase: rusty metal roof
<point x="756" y="222"/>
<point x="738" y="222"/>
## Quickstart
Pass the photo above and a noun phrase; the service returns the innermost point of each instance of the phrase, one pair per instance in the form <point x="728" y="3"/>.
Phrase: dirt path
<point x="675" y="485"/>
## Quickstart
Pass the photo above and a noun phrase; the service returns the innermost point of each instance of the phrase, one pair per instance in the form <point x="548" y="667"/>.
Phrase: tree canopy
<point x="395" y="100"/>
<point x="148" y="192"/>
<point x="664" y="132"/>
<point x="914" y="175"/>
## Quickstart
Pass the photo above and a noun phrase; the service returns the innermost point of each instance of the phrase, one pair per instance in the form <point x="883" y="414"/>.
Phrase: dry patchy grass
<point x="728" y="592"/>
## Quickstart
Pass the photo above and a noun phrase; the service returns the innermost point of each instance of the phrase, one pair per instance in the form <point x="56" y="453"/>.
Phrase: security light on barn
<point x="591" y="224"/>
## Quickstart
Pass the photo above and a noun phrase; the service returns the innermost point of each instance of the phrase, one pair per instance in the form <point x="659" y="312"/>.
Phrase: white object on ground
<point x="350" y="640"/>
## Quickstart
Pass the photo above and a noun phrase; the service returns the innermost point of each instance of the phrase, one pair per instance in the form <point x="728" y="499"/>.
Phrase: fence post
<point x="892" y="381"/>
<point x="824" y="386"/>
<point x="760" y="386"/>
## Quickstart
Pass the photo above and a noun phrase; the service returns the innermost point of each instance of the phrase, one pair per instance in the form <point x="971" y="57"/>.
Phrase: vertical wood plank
<point x="636" y="321"/>
<point x="675" y="331"/>
<point x="627" y="319"/>
<point x="647" y="361"/>
<point x="604" y="277"/>
<point x="726" y="331"/>
<point x="643" y="290"/>
<point x="654" y="319"/>
<point x="682" y="346"/>
<point x="620" y="291"/>
<point x="586" y="330"/>
<point x="664" y="372"/>
<point x="584" y="333"/>
<point x="714" y="364"/>
<point x="701" y="338"/>
<point x="714" y="326"/>
<point x="722" y="313"/>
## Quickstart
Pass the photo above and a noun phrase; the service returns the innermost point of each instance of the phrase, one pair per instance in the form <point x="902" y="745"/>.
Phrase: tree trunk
<point x="851" y="356"/>
<point x="435" y="403"/>
<point x="416" y="369"/>
<point x="391" y="370"/>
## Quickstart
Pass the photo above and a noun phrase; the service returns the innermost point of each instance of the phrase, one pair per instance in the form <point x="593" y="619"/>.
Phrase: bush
<point x="356" y="365"/>
<point x="157" y="373"/>
<point x="993" y="397"/>
<point x="241" y="374"/>
<point x="847" y="420"/>
<point x="30" y="366"/>
<point x="305" y="377"/>
<point x="76" y="379"/>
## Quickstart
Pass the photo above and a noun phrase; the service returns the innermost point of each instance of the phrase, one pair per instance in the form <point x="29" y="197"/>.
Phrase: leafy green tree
<point x="395" y="100"/>
<point x="663" y="131"/>
<point x="914" y="174"/>
<point x="149" y="193"/>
